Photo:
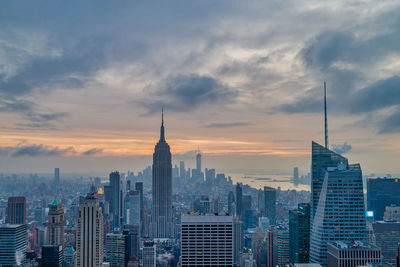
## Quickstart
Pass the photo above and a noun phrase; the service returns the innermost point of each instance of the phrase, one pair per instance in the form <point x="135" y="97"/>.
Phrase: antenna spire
<point x="162" y="137"/>
<point x="326" y="118"/>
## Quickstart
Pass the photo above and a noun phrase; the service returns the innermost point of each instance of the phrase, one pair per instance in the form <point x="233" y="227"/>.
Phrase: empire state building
<point x="162" y="218"/>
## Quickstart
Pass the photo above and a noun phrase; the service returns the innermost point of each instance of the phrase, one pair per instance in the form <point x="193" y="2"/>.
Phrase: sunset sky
<point x="82" y="83"/>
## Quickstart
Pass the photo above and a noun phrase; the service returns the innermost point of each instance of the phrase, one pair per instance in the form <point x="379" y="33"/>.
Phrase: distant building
<point x="132" y="241"/>
<point x="16" y="210"/>
<point x="231" y="203"/>
<point x="382" y="192"/>
<point x="352" y="254"/>
<point x="198" y="162"/>
<point x="149" y="254"/>
<point x="56" y="175"/>
<point x="337" y="192"/>
<point x="282" y="244"/>
<point x="115" y="205"/>
<point x="182" y="171"/>
<point x="210" y="175"/>
<point x="296" y="175"/>
<point x="387" y="236"/>
<point x="299" y="233"/>
<point x="271" y="247"/>
<point x="13" y="244"/>
<point x="207" y="240"/>
<point x="55" y="226"/>
<point x="52" y="256"/>
<point x="392" y="213"/>
<point x="115" y="250"/>
<point x="239" y="200"/>
<point x="269" y="204"/>
<point x="132" y="208"/>
<point x="89" y="233"/>
<point x="69" y="257"/>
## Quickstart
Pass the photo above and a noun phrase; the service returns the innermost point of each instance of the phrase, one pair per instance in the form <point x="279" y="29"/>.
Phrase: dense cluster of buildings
<point x="171" y="216"/>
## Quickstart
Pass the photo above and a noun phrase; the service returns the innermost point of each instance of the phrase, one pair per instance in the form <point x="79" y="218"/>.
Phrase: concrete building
<point x="352" y="254"/>
<point x="149" y="254"/>
<point x="16" y="210"/>
<point x="392" y="213"/>
<point x="115" y="250"/>
<point x="55" y="226"/>
<point x="207" y="240"/>
<point x="89" y="233"/>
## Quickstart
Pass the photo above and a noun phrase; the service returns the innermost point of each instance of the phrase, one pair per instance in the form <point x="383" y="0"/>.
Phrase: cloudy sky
<point x="82" y="83"/>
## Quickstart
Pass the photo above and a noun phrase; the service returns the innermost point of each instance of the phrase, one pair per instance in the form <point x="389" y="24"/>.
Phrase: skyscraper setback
<point x="162" y="218"/>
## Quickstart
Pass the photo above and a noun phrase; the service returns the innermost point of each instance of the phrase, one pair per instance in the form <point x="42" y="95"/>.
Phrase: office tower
<point x="296" y="175"/>
<point x="39" y="215"/>
<point x="207" y="240"/>
<point x="271" y="248"/>
<point x="115" y="181"/>
<point x="282" y="246"/>
<point x="382" y="192"/>
<point x="205" y="204"/>
<point x="70" y="257"/>
<point x="247" y="213"/>
<point x="182" y="171"/>
<point x="128" y="185"/>
<point x="16" y="210"/>
<point x="175" y="172"/>
<point x="237" y="240"/>
<point x="258" y="246"/>
<point x="132" y="208"/>
<point x="115" y="250"/>
<point x="340" y="213"/>
<point x="52" y="256"/>
<point x="387" y="236"/>
<point x="132" y="241"/>
<point x="139" y="187"/>
<point x="13" y="244"/>
<point x="162" y="218"/>
<point x="231" y="203"/>
<point x="269" y="204"/>
<point x="55" y="226"/>
<point x="392" y="213"/>
<point x="299" y="233"/>
<point x="89" y="233"/>
<point x="239" y="200"/>
<point x="198" y="162"/>
<point x="260" y="202"/>
<point x="149" y="254"/>
<point x="56" y="175"/>
<point x="352" y="254"/>
<point x="210" y="175"/>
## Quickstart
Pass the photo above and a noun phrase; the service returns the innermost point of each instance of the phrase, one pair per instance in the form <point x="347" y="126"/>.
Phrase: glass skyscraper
<point x="337" y="204"/>
<point x="299" y="233"/>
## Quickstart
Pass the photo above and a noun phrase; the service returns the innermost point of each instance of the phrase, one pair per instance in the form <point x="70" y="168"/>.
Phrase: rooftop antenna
<point x="326" y="117"/>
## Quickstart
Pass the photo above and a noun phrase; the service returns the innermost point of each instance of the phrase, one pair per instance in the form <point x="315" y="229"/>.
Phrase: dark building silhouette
<point x="299" y="234"/>
<point x="231" y="201"/>
<point x="239" y="200"/>
<point x="382" y="192"/>
<point x="16" y="210"/>
<point x="139" y="187"/>
<point x="162" y="219"/>
<point x="52" y="256"/>
<point x="269" y="204"/>
<point x="115" y="205"/>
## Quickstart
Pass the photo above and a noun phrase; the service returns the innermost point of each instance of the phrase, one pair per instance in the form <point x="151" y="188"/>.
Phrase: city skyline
<point x="245" y="86"/>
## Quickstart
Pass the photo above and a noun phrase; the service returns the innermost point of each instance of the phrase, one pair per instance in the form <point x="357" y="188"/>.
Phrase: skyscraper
<point x="198" y="162"/>
<point x="182" y="171"/>
<point x="55" y="227"/>
<point x="52" y="256"/>
<point x="382" y="192"/>
<point x="56" y="175"/>
<point x="89" y="233"/>
<point x="16" y="210"/>
<point x="353" y="254"/>
<point x="299" y="233"/>
<point x="115" y="250"/>
<point x="149" y="254"/>
<point x="132" y="208"/>
<point x="162" y="218"/>
<point x="269" y="204"/>
<point x="231" y="202"/>
<point x="207" y="240"/>
<point x="387" y="236"/>
<point x="139" y="187"/>
<point x="115" y="181"/>
<point x="337" y="202"/>
<point x="13" y="244"/>
<point x="239" y="200"/>
<point x="295" y="175"/>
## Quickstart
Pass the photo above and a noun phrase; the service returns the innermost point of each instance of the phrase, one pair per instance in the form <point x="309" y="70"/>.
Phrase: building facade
<point x="387" y="237"/>
<point x="115" y="250"/>
<point x="337" y="202"/>
<point x="149" y="254"/>
<point x="382" y="192"/>
<point x="16" y="210"/>
<point x="299" y="233"/>
<point x="13" y="244"/>
<point x="55" y="226"/>
<point x="207" y="240"/>
<point x="162" y="225"/>
<point x="89" y="233"/>
<point x="269" y="204"/>
<point x="352" y="254"/>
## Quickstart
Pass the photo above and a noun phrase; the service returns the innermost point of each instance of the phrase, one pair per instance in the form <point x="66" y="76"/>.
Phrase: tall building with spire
<point x="162" y="218"/>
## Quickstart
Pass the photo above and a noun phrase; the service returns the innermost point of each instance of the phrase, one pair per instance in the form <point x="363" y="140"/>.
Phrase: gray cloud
<point x="187" y="92"/>
<point x="40" y="151"/>
<point x="228" y="125"/>
<point x="93" y="151"/>
<point x="390" y="124"/>
<point x="342" y="148"/>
